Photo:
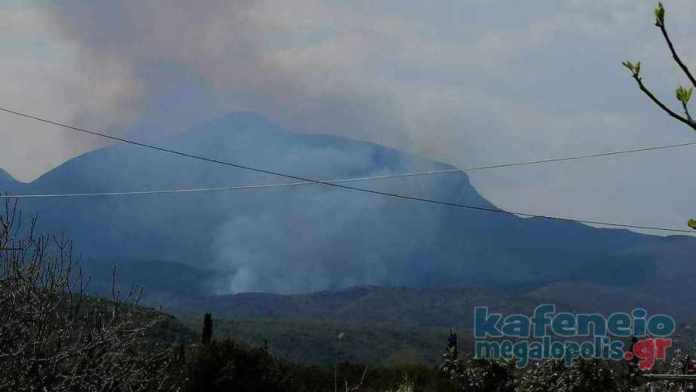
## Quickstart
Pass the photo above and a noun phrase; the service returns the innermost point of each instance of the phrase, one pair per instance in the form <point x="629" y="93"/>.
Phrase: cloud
<point x="45" y="74"/>
<point x="466" y="82"/>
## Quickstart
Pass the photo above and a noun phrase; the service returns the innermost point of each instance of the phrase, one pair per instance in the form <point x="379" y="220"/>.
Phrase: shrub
<point x="55" y="338"/>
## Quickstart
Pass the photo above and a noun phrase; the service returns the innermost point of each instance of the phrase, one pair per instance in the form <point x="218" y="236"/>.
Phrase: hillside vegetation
<point x="317" y="343"/>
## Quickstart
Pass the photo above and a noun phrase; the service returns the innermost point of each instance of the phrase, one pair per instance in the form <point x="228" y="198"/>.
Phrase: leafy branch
<point x="683" y="94"/>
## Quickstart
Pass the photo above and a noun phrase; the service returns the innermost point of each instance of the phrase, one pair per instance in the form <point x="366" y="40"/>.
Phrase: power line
<point x="352" y="188"/>
<point x="342" y="179"/>
<point x="467" y="169"/>
<point x="583" y="156"/>
<point x="332" y="180"/>
<point x="299" y="183"/>
<point x="225" y="188"/>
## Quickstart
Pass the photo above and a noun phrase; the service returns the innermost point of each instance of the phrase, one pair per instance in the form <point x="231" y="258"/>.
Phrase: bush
<point x="476" y="375"/>
<point x="583" y="376"/>
<point x="226" y="366"/>
<point x="55" y="338"/>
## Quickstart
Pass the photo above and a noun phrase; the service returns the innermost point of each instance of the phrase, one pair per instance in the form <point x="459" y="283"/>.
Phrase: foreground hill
<point x="311" y="238"/>
<point x="390" y="326"/>
<point x="428" y="308"/>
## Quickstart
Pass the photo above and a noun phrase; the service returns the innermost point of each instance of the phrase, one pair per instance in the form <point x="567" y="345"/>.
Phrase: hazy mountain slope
<point x="359" y="305"/>
<point x="312" y="238"/>
<point x="160" y="283"/>
<point x="7" y="182"/>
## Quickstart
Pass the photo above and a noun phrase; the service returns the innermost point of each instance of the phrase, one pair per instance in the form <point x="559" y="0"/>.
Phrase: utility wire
<point x="226" y="188"/>
<point x="365" y="190"/>
<point x="467" y="169"/>
<point x="337" y="180"/>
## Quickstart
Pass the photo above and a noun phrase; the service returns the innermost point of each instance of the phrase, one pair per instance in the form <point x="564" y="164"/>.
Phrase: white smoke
<point x="465" y="82"/>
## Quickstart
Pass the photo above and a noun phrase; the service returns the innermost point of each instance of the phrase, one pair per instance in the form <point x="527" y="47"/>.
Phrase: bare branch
<point x="55" y="338"/>
<point x="675" y="55"/>
<point x="686" y="110"/>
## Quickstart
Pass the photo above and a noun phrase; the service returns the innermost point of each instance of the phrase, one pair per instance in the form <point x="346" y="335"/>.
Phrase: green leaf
<point x="634" y="68"/>
<point x="692" y="223"/>
<point x="684" y="94"/>
<point x="660" y="14"/>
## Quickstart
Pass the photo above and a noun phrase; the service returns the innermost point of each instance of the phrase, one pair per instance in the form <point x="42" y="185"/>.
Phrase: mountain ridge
<point x="312" y="238"/>
<point x="416" y="307"/>
<point x="7" y="181"/>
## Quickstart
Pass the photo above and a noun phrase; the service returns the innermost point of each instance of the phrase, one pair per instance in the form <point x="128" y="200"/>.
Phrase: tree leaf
<point x="660" y="14"/>
<point x="692" y="223"/>
<point x="683" y="94"/>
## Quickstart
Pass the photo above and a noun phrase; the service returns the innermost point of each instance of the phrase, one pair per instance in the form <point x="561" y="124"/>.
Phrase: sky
<point x="466" y="82"/>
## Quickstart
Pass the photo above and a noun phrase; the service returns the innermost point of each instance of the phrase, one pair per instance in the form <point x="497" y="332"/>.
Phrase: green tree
<point x="683" y="94"/>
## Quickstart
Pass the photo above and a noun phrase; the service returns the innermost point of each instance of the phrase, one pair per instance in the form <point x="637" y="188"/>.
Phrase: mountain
<point x="312" y="238"/>
<point x="7" y="182"/>
<point x="428" y="307"/>
<point x="405" y="307"/>
<point x="162" y="283"/>
<point x="387" y="325"/>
